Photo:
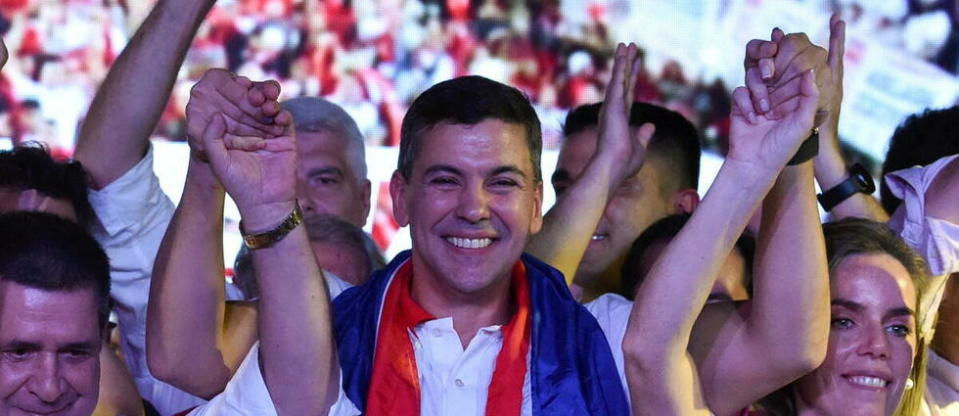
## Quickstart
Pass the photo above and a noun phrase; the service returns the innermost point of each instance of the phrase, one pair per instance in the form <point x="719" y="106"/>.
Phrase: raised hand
<point x="625" y="146"/>
<point x="768" y="143"/>
<point x="248" y="108"/>
<point x="772" y="66"/>
<point x="259" y="173"/>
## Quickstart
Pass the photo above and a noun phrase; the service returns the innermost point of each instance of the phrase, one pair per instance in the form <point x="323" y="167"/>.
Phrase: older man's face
<point x="49" y="346"/>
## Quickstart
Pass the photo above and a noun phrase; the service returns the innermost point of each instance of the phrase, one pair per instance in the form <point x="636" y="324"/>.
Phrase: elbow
<point x="801" y="359"/>
<point x="185" y="374"/>
<point x="647" y="358"/>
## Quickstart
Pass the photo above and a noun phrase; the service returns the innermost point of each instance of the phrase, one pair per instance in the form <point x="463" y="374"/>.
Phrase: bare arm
<point x="297" y="354"/>
<point x="189" y="344"/>
<point x="619" y="155"/>
<point x="831" y="168"/>
<point x="186" y="310"/>
<point x="768" y="347"/>
<point x="128" y="104"/>
<point x="661" y="374"/>
<point x="118" y="393"/>
<point x="771" y="65"/>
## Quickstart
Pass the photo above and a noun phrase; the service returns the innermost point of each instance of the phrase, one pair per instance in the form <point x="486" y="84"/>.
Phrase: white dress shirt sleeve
<point x="247" y="395"/>
<point x="936" y="240"/>
<point x="133" y="214"/>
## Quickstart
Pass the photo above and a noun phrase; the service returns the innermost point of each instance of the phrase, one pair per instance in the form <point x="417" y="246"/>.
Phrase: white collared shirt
<point x="453" y="380"/>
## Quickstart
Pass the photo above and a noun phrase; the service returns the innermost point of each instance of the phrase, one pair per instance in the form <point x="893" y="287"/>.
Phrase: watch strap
<point x="807" y="150"/>
<point x="266" y="239"/>
<point x="859" y="181"/>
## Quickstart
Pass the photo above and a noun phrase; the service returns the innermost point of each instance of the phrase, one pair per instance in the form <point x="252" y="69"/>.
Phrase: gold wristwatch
<point x="262" y="240"/>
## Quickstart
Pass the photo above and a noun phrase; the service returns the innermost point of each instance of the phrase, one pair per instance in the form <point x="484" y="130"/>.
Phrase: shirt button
<point x="459" y="383"/>
<point x="437" y="333"/>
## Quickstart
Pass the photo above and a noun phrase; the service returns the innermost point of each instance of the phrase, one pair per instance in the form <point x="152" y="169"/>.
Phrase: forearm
<point x="297" y="353"/>
<point x="791" y="278"/>
<point x="831" y="170"/>
<point x="573" y="220"/>
<point x="118" y="393"/>
<point x="671" y="298"/>
<point x="186" y="308"/>
<point x="129" y="103"/>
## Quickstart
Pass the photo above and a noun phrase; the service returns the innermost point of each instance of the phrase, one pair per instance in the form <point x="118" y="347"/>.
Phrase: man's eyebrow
<point x="848" y="304"/>
<point x="325" y="171"/>
<point x="442" y="169"/>
<point x="508" y="169"/>
<point x="21" y="345"/>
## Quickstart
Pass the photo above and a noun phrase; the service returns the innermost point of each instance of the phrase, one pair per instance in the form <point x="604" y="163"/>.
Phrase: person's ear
<point x="685" y="201"/>
<point x="537" y="223"/>
<point x="398" y="195"/>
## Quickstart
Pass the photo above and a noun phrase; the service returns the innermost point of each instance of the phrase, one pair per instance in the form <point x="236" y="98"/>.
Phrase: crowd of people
<point x="633" y="294"/>
<point x="373" y="58"/>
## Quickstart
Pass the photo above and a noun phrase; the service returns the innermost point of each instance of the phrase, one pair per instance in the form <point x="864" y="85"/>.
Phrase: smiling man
<point x="54" y="305"/>
<point x="464" y="323"/>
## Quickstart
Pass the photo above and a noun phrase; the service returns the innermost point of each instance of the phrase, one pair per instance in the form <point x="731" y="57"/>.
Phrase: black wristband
<point x="859" y="181"/>
<point x="807" y="150"/>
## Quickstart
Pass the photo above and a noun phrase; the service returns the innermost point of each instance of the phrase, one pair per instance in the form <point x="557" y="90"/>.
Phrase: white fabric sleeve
<point x="247" y="395"/>
<point x="936" y="240"/>
<point x="132" y="215"/>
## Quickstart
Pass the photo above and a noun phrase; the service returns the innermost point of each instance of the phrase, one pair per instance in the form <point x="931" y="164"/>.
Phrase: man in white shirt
<point x="133" y="213"/>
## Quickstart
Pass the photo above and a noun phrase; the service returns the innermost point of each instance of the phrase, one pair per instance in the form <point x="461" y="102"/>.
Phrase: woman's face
<point x="872" y="339"/>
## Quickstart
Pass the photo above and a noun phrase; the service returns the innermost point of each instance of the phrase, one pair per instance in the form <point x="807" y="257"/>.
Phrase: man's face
<point x="471" y="202"/>
<point x="327" y="183"/>
<point x="872" y="340"/>
<point x="49" y="346"/>
<point x="637" y="203"/>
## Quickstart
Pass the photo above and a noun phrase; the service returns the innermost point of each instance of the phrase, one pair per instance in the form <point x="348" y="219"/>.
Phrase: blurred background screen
<point x="374" y="57"/>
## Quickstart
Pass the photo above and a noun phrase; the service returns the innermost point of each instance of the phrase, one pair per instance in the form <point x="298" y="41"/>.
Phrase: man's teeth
<point x="868" y="381"/>
<point x="469" y="242"/>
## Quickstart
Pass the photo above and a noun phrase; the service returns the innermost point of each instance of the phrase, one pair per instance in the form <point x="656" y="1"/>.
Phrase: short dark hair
<point x="468" y="100"/>
<point x="631" y="274"/>
<point x="47" y="252"/>
<point x="921" y="139"/>
<point x="675" y="137"/>
<point x="32" y="167"/>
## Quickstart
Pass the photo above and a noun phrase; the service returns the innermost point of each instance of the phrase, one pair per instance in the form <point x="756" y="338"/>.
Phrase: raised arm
<point x="117" y="128"/>
<point x="771" y="65"/>
<point x="188" y="343"/>
<point x="297" y="353"/>
<point x="620" y="153"/>
<point x="782" y="333"/>
<point x="662" y="376"/>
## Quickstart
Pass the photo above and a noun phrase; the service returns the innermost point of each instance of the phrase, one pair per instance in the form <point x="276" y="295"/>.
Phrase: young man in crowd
<point x="54" y="306"/>
<point x="653" y="184"/>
